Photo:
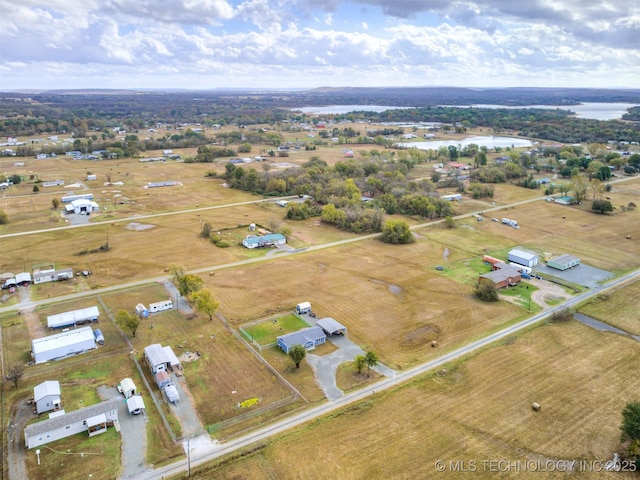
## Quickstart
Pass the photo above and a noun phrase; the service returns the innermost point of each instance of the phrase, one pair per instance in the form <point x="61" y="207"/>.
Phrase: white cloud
<point x="477" y="43"/>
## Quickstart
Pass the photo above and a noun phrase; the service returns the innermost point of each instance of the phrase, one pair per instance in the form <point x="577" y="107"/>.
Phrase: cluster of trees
<point x="337" y="190"/>
<point x="189" y="286"/>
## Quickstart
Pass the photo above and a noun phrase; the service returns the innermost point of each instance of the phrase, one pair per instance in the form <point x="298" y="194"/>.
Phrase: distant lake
<point x="489" y="142"/>
<point x="596" y="111"/>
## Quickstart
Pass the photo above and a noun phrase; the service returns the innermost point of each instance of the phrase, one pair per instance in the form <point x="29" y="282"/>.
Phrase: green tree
<point x="579" y="187"/>
<point x="487" y="292"/>
<point x="36" y="189"/>
<point x="396" y="232"/>
<point x="4" y="218"/>
<point x="371" y="359"/>
<point x="449" y="222"/>
<point x="204" y="302"/>
<point x="189" y="283"/>
<point x="127" y="321"/>
<point x="206" y="230"/>
<point x="359" y="362"/>
<point x="631" y="430"/>
<point x="297" y="354"/>
<point x="602" y="206"/>
<point x="55" y="203"/>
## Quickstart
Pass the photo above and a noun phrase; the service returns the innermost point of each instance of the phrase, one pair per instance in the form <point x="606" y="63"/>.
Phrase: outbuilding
<point x="142" y="311"/>
<point x="46" y="396"/>
<point x="160" y="358"/>
<point x="309" y="338"/>
<point x="563" y="262"/>
<point x="522" y="257"/>
<point x="23" y="279"/>
<point x="74" y="317"/>
<point x="135" y="404"/>
<point x="51" y="275"/>
<point x="62" y="345"/>
<point x="127" y="387"/>
<point x="331" y="326"/>
<point x="304" y="307"/>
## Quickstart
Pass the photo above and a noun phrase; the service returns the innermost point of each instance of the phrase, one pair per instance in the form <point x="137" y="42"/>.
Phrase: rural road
<point x="199" y="458"/>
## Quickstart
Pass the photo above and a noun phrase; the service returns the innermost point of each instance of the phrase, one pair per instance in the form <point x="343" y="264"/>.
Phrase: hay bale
<point x="536" y="406"/>
<point x="434" y="343"/>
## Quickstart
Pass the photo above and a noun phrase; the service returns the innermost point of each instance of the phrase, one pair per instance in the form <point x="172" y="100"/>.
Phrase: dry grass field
<point x="475" y="410"/>
<point x="390" y="297"/>
<point x="619" y="309"/>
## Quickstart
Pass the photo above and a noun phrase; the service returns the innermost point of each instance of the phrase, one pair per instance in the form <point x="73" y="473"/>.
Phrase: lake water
<point x="595" y="111"/>
<point x="489" y="142"/>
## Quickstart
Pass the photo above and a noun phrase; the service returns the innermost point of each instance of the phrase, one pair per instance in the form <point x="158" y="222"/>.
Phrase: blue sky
<point x="202" y="44"/>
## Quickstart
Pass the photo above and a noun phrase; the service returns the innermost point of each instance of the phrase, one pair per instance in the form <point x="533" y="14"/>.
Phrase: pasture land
<point x="477" y="409"/>
<point x="618" y="309"/>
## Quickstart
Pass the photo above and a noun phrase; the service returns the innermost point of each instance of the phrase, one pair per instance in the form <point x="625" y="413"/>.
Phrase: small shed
<point x="127" y="387"/>
<point x="46" y="396"/>
<point x="563" y="262"/>
<point x="522" y="257"/>
<point x="331" y="326"/>
<point x="135" y="404"/>
<point x="304" y="307"/>
<point x="309" y="338"/>
<point x="142" y="311"/>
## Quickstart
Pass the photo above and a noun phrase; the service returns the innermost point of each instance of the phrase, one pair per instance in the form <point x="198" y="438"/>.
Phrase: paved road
<point x="217" y="451"/>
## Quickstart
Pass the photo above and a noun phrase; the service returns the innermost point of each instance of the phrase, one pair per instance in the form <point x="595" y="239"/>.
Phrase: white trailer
<point x="160" y="306"/>
<point x="75" y="317"/>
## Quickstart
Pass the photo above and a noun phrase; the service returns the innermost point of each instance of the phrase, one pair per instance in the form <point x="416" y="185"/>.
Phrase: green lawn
<point x="521" y="294"/>
<point x="267" y="331"/>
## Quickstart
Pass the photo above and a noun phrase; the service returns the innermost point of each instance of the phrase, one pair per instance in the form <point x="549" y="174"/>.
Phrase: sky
<point x="304" y="44"/>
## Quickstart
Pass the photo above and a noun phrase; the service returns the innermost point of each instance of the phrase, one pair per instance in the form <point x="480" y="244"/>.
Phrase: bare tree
<point x="15" y="374"/>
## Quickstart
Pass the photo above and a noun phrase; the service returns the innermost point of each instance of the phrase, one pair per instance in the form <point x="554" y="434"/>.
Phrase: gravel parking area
<point x="582" y="274"/>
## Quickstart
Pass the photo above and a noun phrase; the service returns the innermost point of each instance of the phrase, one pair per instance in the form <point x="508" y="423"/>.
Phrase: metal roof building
<point x="563" y="262"/>
<point x="309" y="338"/>
<point x="522" y="257"/>
<point x="62" y="345"/>
<point x="74" y="317"/>
<point x="47" y="396"/>
<point x="265" y="240"/>
<point x="331" y="326"/>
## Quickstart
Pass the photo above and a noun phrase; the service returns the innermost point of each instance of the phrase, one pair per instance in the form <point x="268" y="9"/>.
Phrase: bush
<point x="487" y="292"/>
<point x="396" y="232"/>
<point x="4" y="218"/>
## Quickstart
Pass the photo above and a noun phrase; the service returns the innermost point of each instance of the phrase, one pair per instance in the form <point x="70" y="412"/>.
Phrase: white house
<point x="46" y="396"/>
<point x="51" y="275"/>
<point x="62" y="345"/>
<point x="273" y="239"/>
<point x="93" y="419"/>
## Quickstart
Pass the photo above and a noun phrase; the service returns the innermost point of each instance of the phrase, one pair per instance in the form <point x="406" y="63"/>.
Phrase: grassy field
<point x="474" y="410"/>
<point x="266" y="332"/>
<point x="390" y="297"/>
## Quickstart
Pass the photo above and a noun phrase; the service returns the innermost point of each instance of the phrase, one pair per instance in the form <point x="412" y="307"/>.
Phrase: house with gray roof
<point x="309" y="338"/>
<point x="93" y="420"/>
